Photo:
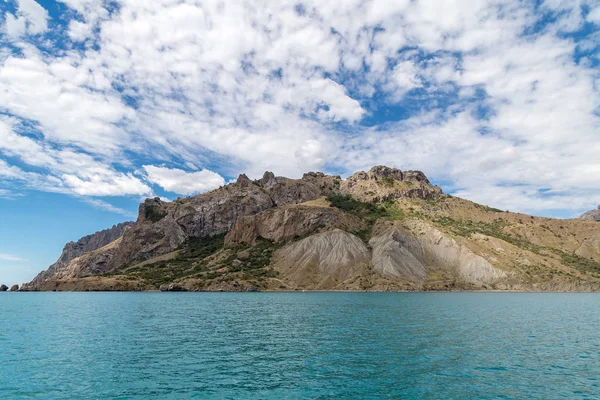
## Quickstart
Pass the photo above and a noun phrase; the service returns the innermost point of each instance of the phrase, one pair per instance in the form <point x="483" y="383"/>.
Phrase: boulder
<point x="172" y="287"/>
<point x="14" y="288"/>
<point x="3" y="288"/>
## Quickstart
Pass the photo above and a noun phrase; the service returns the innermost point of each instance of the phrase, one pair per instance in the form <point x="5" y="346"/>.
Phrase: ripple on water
<point x="299" y="345"/>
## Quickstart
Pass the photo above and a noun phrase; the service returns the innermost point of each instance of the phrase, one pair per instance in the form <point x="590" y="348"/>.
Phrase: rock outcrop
<point x="73" y="250"/>
<point x="162" y="226"/>
<point x="172" y="287"/>
<point x="3" y="288"/>
<point x="593" y="215"/>
<point x="383" y="184"/>
<point x="14" y="288"/>
<point x="287" y="222"/>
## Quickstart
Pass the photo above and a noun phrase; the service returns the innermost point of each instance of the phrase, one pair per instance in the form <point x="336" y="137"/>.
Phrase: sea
<point x="300" y="345"/>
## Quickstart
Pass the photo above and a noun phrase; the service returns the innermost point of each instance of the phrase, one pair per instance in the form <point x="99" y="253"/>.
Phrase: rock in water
<point x="173" y="287"/>
<point x="3" y="288"/>
<point x="14" y="288"/>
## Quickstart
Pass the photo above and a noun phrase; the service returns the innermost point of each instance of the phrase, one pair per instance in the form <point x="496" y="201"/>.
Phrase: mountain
<point x="73" y="250"/>
<point x="381" y="230"/>
<point x="593" y="215"/>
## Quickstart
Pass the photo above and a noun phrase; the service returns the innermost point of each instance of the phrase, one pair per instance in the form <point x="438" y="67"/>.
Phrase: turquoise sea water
<point x="299" y="345"/>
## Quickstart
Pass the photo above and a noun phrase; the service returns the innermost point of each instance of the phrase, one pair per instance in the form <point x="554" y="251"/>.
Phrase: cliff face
<point x="73" y="250"/>
<point x="379" y="230"/>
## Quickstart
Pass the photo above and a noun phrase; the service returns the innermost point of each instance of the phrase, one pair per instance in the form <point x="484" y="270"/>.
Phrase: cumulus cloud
<point x="483" y="95"/>
<point x="30" y="18"/>
<point x="182" y="182"/>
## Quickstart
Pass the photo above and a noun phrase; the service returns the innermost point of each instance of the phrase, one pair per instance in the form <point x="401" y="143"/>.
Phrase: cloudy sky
<point x="104" y="103"/>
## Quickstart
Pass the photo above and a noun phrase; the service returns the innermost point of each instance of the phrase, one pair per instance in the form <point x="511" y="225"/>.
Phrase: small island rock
<point x="173" y="287"/>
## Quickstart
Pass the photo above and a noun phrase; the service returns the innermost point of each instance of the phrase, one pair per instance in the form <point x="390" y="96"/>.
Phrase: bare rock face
<point x="14" y="288"/>
<point x="444" y="252"/>
<point x="593" y="215"/>
<point x="381" y="172"/>
<point x="289" y="191"/>
<point x="397" y="254"/>
<point x="287" y="222"/>
<point x="207" y="214"/>
<point x="163" y="226"/>
<point x="88" y="243"/>
<point x="382" y="183"/>
<point x="324" y="260"/>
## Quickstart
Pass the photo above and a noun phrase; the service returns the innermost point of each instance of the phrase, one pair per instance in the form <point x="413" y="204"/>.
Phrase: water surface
<point x="299" y="345"/>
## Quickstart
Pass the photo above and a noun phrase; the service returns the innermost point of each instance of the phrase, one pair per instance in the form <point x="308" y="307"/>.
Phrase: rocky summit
<point x="380" y="230"/>
<point x="593" y="215"/>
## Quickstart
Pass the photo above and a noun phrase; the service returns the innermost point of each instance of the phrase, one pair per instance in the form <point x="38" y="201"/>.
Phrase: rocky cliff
<point x="73" y="250"/>
<point x="379" y="230"/>
<point x="592" y="215"/>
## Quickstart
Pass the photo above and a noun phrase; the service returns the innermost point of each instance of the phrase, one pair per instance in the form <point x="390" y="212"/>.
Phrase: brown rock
<point x="284" y="223"/>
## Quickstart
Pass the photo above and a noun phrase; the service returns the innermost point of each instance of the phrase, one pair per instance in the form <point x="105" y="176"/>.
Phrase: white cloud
<point x="594" y="15"/>
<point x="103" y="205"/>
<point x="251" y="88"/>
<point x="31" y="18"/>
<point x="69" y="171"/>
<point x="11" y="257"/>
<point x="182" y="182"/>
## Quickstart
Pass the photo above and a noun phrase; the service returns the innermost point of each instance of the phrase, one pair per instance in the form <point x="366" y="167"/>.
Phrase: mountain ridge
<point x="380" y="230"/>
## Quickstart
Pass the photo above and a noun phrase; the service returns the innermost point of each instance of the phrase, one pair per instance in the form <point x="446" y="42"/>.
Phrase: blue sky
<point x="104" y="103"/>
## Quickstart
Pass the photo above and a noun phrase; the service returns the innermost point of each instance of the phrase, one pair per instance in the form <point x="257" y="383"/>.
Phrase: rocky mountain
<point x="380" y="230"/>
<point x="592" y="215"/>
<point x="73" y="250"/>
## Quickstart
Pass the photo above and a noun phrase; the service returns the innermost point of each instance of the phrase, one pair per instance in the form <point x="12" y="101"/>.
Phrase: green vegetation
<point x="488" y="208"/>
<point x="493" y="229"/>
<point x="577" y="262"/>
<point x="496" y="229"/>
<point x="154" y="213"/>
<point x="385" y="182"/>
<point x="252" y="258"/>
<point x="197" y="258"/>
<point x="200" y="248"/>
<point x="187" y="263"/>
<point x="367" y="211"/>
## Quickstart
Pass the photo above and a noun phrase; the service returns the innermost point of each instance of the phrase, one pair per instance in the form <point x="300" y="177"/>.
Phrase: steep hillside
<point x="72" y="250"/>
<point x="381" y="230"/>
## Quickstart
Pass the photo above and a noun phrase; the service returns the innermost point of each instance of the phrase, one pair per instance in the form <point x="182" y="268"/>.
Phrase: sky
<point x="105" y="103"/>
